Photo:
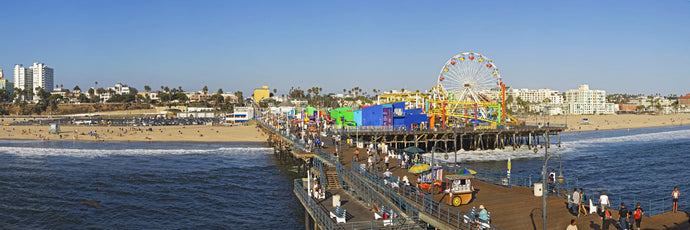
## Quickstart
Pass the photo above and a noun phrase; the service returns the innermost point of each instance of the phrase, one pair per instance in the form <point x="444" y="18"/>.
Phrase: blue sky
<point x="618" y="46"/>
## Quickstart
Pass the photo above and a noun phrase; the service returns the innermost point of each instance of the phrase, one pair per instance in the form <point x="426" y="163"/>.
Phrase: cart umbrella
<point x="466" y="171"/>
<point x="419" y="168"/>
<point x="413" y="149"/>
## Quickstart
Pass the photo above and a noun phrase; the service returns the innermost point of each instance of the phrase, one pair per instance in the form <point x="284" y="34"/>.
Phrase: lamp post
<point x="543" y="174"/>
<point x="560" y="177"/>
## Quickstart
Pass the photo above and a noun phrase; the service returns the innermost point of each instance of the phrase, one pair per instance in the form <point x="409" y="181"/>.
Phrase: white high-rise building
<point x="23" y="77"/>
<point x="42" y="77"/>
<point x="536" y="95"/>
<point x="586" y="101"/>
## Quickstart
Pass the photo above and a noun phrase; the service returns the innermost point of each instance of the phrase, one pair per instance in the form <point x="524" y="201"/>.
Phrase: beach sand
<point x="612" y="121"/>
<point x="187" y="133"/>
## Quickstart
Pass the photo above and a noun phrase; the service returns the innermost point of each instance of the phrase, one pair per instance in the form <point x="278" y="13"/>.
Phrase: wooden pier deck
<point x="511" y="208"/>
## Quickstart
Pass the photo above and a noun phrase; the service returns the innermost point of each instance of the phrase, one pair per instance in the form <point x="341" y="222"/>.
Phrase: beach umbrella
<point x="413" y="149"/>
<point x="466" y="171"/>
<point x="419" y="168"/>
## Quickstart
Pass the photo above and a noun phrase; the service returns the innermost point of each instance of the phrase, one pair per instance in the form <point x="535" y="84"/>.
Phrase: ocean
<point x="630" y="165"/>
<point x="49" y="185"/>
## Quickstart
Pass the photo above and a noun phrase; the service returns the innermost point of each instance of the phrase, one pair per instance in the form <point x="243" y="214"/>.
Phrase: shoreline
<point x="609" y="121"/>
<point x="251" y="134"/>
<point x="187" y="133"/>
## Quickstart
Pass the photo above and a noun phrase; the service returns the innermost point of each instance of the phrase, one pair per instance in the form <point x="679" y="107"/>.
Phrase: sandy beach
<point x="613" y="121"/>
<point x="187" y="133"/>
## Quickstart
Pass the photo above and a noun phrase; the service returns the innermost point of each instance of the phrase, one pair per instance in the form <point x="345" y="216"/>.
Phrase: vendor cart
<point x="461" y="190"/>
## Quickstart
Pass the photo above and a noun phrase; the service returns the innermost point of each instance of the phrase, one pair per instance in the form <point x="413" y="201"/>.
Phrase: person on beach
<point x="572" y="225"/>
<point x="605" y="218"/>
<point x="623" y="216"/>
<point x="583" y="199"/>
<point x="604" y="200"/>
<point x="637" y="215"/>
<point x="675" y="195"/>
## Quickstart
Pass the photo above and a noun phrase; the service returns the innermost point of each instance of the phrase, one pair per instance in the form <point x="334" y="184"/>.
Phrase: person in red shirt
<point x="606" y="218"/>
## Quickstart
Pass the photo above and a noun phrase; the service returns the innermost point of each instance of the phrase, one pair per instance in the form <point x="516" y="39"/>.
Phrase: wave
<point x="566" y="148"/>
<point x="32" y="151"/>
<point x="491" y="155"/>
<point x="645" y="137"/>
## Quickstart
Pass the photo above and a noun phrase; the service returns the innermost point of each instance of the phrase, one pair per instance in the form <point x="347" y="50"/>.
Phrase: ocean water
<point x="242" y="186"/>
<point x="630" y="165"/>
<point x="145" y="186"/>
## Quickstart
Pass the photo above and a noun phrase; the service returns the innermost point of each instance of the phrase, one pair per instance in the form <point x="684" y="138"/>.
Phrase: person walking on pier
<point x="675" y="195"/>
<point x="583" y="199"/>
<point x="605" y="218"/>
<point x="576" y="202"/>
<point x="386" y="160"/>
<point x="357" y="154"/>
<point x="604" y="200"/>
<point x="572" y="225"/>
<point x="637" y="214"/>
<point x="623" y="216"/>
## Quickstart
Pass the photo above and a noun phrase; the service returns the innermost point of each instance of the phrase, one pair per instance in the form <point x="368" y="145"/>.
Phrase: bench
<point x="469" y="217"/>
<point x="385" y="215"/>
<point x="339" y="214"/>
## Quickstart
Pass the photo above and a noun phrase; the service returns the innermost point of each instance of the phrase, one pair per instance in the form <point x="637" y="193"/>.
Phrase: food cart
<point x="430" y="181"/>
<point x="461" y="190"/>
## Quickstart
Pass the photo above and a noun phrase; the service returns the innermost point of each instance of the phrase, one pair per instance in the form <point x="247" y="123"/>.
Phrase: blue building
<point x="393" y="114"/>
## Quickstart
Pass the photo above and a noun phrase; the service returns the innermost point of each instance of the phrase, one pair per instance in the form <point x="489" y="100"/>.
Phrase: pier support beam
<point x="307" y="220"/>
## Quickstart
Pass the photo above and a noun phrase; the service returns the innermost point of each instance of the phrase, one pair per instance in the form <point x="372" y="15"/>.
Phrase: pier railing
<point x="321" y="216"/>
<point x="651" y="207"/>
<point x="442" y="212"/>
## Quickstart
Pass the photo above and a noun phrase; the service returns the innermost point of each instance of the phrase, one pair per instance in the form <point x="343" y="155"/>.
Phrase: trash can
<point x="538" y="189"/>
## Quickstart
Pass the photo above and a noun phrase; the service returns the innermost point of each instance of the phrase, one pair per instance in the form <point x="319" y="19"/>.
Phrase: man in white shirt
<point x="604" y="200"/>
<point x="572" y="225"/>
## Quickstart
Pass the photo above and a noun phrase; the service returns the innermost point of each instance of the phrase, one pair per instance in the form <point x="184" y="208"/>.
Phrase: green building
<point x="343" y="116"/>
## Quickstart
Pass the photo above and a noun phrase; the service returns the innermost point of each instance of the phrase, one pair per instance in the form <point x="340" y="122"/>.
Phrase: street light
<point x="543" y="174"/>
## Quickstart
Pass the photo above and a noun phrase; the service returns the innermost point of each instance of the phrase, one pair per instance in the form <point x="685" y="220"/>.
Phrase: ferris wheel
<point x="464" y="75"/>
<point x="460" y="83"/>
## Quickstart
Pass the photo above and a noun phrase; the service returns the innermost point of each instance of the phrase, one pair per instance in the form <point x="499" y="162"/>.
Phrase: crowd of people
<point x="626" y="219"/>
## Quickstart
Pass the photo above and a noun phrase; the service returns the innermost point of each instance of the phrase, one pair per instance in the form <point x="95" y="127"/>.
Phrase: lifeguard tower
<point x="54" y="128"/>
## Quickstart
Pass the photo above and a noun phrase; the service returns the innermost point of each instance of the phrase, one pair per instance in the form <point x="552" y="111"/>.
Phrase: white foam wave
<point x="31" y="152"/>
<point x="645" y="137"/>
<point x="492" y="155"/>
<point x="567" y="147"/>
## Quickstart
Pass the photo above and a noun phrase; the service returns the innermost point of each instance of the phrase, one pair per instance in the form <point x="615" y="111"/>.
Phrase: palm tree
<point x="76" y="88"/>
<point x="205" y="89"/>
<point x="96" y="83"/>
<point x="147" y="88"/>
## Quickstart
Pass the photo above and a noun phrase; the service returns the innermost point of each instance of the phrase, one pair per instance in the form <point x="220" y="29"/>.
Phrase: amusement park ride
<point x="456" y="100"/>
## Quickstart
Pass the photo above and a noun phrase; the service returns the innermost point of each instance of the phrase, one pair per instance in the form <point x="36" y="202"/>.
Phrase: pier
<point x="454" y="139"/>
<point x="365" y="193"/>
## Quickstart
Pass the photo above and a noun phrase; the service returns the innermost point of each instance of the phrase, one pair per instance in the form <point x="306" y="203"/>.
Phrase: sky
<point x="618" y="46"/>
